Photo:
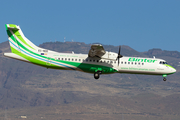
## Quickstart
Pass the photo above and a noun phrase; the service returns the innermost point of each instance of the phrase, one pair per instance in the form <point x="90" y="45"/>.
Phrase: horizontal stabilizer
<point x="15" y="56"/>
<point x="13" y="28"/>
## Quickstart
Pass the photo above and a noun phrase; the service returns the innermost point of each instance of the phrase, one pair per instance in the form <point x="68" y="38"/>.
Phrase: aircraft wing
<point x="96" y="50"/>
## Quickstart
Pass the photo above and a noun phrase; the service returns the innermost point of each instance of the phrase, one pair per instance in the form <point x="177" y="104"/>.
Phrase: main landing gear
<point x="97" y="74"/>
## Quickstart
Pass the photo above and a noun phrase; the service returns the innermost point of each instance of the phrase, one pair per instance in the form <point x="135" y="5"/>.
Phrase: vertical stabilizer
<point x="17" y="40"/>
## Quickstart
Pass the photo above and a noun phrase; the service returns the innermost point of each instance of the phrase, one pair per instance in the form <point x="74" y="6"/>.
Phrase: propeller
<point x="119" y="55"/>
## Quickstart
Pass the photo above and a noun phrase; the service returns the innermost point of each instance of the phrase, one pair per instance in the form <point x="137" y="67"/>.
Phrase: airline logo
<point x="141" y="60"/>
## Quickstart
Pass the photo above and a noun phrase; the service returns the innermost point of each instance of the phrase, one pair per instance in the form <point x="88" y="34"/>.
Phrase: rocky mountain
<point x="32" y="89"/>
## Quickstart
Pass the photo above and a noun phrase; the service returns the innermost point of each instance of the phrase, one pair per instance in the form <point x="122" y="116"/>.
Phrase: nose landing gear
<point x="164" y="77"/>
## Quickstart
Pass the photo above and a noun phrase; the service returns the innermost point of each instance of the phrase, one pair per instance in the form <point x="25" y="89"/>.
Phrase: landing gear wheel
<point x="96" y="75"/>
<point x="164" y="79"/>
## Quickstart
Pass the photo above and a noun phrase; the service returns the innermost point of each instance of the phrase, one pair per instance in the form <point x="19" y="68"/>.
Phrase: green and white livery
<point x="97" y="61"/>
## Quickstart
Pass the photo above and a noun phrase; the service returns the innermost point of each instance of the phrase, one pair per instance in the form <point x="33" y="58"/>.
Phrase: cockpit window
<point x="163" y="62"/>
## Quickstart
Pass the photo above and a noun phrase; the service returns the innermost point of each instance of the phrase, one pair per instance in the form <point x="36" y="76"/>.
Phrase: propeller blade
<point x="118" y="61"/>
<point x="119" y="55"/>
<point x="119" y="50"/>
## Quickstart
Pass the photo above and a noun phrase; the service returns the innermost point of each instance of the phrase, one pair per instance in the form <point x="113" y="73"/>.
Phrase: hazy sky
<point x="140" y="24"/>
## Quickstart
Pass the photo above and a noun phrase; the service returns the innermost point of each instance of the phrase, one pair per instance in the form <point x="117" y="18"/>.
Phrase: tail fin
<point x="17" y="40"/>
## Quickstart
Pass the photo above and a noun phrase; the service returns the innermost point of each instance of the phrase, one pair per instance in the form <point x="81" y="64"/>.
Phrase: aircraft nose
<point x="171" y="69"/>
<point x="174" y="70"/>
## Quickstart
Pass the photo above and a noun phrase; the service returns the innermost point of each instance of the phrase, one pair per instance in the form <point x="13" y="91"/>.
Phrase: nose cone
<point x="173" y="70"/>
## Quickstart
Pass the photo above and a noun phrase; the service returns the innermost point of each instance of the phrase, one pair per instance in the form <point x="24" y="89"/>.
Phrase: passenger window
<point x="75" y="59"/>
<point x="69" y="59"/>
<point x="128" y="62"/>
<point x="97" y="60"/>
<point x="132" y="63"/>
<point x="139" y="63"/>
<point x="58" y="58"/>
<point x="121" y="62"/>
<point x="142" y="63"/>
<point x="124" y="62"/>
<point x="65" y="58"/>
<point x="79" y="59"/>
<point x="61" y="58"/>
<point x="72" y="59"/>
<point x="93" y="60"/>
<point x="135" y="63"/>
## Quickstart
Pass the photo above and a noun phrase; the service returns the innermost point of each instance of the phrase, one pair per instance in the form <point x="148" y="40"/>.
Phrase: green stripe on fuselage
<point x="83" y="66"/>
<point x="36" y="61"/>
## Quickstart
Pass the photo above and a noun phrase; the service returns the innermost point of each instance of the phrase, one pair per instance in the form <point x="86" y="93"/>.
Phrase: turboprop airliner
<point x="97" y="61"/>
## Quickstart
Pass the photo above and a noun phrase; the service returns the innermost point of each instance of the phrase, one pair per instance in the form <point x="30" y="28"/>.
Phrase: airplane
<point x="97" y="61"/>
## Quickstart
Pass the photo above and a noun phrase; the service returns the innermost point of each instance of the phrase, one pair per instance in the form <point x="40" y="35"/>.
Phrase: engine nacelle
<point x="110" y="56"/>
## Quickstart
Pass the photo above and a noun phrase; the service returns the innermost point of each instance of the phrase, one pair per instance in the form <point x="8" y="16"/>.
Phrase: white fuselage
<point x="134" y="65"/>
